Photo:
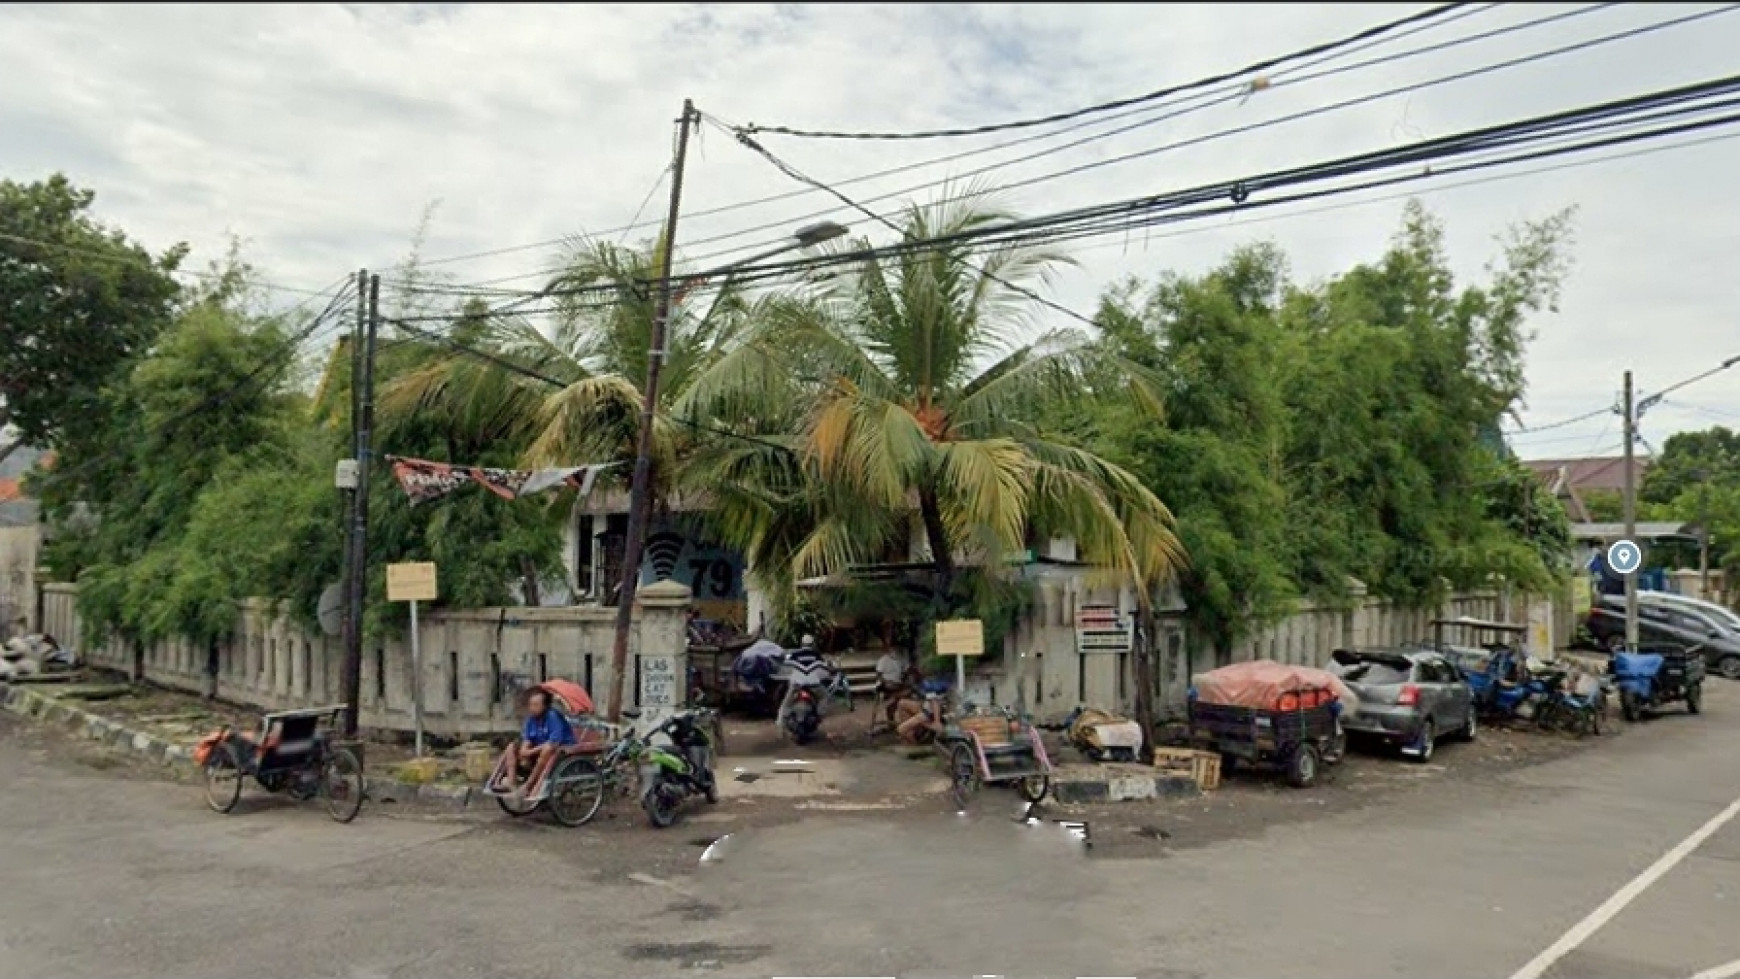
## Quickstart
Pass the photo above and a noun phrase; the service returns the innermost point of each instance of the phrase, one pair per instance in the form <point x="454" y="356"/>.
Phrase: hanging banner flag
<point x="423" y="480"/>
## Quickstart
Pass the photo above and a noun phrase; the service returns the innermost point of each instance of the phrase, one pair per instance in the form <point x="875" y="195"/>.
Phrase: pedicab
<point x="561" y="791"/>
<point x="294" y="752"/>
<point x="999" y="746"/>
<point x="1268" y="713"/>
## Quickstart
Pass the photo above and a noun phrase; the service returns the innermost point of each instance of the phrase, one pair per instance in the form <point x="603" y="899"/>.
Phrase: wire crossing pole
<point x="1630" y="515"/>
<point x="350" y="673"/>
<point x="640" y="490"/>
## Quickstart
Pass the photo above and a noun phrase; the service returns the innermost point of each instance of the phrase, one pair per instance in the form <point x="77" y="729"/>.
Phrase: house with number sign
<point x="1074" y="645"/>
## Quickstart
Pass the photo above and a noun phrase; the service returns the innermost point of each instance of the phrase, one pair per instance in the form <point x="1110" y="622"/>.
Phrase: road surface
<point x="1622" y="861"/>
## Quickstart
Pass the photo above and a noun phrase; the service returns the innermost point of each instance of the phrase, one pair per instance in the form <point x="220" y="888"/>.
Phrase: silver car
<point x="1408" y="698"/>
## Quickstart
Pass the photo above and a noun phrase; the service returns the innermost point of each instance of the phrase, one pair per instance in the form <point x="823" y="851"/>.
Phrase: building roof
<point x="1645" y="530"/>
<point x="1596" y="473"/>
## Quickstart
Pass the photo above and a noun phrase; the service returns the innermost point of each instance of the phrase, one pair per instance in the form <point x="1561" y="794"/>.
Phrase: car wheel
<point x="1471" y="728"/>
<point x="1426" y="743"/>
<point x="1302" y="766"/>
<point x="1729" y="666"/>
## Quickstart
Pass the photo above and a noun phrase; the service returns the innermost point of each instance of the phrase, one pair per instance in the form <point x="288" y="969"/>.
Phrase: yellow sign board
<point x="412" y="582"/>
<point x="960" y="637"/>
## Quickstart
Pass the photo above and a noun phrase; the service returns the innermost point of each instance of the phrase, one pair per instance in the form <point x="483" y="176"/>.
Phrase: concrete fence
<point x="1053" y="675"/>
<point x="475" y="661"/>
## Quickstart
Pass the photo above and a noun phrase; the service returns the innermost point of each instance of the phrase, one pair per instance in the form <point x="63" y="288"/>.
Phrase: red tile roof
<point x="1600" y="473"/>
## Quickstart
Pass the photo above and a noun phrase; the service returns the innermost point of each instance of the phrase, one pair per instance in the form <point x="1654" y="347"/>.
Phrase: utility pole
<point x="1704" y="537"/>
<point x="1631" y="515"/>
<point x="356" y="558"/>
<point x="640" y="490"/>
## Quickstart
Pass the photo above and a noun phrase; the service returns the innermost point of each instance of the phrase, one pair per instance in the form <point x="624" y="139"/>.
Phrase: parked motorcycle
<point x="1577" y="712"/>
<point x="812" y="702"/>
<point x="673" y="773"/>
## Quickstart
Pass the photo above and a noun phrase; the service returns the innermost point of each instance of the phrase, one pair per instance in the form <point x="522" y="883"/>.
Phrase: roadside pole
<point x="414" y="582"/>
<point x="640" y="490"/>
<point x="350" y="659"/>
<point x="1630" y="514"/>
<point x="350" y="672"/>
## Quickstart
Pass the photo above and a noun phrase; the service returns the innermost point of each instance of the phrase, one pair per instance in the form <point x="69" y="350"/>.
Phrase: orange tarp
<point x="573" y="697"/>
<point x="1263" y="683"/>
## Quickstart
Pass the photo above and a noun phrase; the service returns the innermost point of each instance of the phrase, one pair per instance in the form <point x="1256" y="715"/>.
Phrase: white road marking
<point x="1721" y="972"/>
<point x="1610" y="908"/>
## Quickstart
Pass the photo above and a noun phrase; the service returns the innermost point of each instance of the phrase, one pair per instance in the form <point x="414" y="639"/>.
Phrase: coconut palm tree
<point x="911" y="390"/>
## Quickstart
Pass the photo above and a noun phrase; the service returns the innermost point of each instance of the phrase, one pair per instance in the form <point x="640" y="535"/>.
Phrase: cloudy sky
<point x="321" y="134"/>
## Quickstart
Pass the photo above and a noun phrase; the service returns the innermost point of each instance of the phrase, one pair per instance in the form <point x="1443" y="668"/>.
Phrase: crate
<point x="1203" y="766"/>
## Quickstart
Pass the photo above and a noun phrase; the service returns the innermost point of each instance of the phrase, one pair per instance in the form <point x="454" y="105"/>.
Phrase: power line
<point x="531" y="373"/>
<point x="1240" y="130"/>
<point x="280" y="358"/>
<point x="1218" y="98"/>
<point x="150" y="266"/>
<point x="1201" y="201"/>
<point x="1249" y="70"/>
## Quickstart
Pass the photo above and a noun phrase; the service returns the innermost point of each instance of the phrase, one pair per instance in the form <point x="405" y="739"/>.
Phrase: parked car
<point x="1408" y="698"/>
<point x="1672" y="624"/>
<point x="1722" y="614"/>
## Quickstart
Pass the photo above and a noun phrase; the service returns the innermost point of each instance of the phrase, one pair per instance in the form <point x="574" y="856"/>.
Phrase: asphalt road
<point x="1518" y="873"/>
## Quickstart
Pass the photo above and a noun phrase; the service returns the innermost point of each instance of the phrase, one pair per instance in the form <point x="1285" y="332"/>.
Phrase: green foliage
<point x="78" y="302"/>
<point x="1697" y="480"/>
<point x="1322" y="434"/>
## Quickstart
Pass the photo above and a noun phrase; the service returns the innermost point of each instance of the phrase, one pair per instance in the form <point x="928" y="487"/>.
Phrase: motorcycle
<point x="670" y="774"/>
<point x="810" y="703"/>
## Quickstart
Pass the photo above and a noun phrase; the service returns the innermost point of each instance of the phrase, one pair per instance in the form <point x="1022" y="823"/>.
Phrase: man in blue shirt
<point x="545" y="734"/>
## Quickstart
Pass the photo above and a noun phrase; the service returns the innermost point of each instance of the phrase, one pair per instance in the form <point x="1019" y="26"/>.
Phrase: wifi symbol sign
<point x="662" y="552"/>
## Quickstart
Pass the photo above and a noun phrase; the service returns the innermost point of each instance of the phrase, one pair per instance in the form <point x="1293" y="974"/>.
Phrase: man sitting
<point x="545" y="735"/>
<point x="893" y="683"/>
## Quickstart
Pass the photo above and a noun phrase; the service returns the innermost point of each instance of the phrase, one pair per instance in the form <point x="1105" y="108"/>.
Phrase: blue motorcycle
<point x="1647" y="681"/>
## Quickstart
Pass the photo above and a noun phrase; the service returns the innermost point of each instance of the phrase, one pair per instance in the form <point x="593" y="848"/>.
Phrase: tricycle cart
<point x="1267" y="713"/>
<point x="1650" y="679"/>
<point x="294" y="752"/>
<point x="565" y="791"/>
<point x="998" y="747"/>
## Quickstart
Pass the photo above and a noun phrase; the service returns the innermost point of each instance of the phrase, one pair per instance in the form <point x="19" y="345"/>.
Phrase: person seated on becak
<point x="545" y="734"/>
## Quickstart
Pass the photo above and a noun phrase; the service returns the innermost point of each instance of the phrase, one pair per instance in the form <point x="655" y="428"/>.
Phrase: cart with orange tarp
<point x="556" y="790"/>
<point x="1268" y="713"/>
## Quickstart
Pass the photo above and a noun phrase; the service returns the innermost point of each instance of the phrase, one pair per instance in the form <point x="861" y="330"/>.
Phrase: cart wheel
<point x="963" y="775"/>
<point x="1034" y="788"/>
<point x="577" y="792"/>
<point x="1695" y="698"/>
<point x="341" y="785"/>
<point x="1302" y="766"/>
<point x="1335" y="748"/>
<point x="1628" y="706"/>
<point x="223" y="778"/>
<point x="524" y="807"/>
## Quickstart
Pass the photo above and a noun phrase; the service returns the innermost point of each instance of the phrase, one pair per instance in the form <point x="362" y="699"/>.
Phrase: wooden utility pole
<point x="1631" y="514"/>
<point x="640" y="490"/>
<point x="357" y="542"/>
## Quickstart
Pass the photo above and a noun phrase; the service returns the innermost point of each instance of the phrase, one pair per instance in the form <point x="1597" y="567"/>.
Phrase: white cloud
<point x="320" y="133"/>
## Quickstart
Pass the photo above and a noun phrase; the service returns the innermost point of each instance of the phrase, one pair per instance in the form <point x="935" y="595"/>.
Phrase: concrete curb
<point x="1123" y="785"/>
<point x="49" y="710"/>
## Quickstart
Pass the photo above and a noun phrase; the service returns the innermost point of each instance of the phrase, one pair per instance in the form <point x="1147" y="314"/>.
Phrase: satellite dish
<point x="331" y="611"/>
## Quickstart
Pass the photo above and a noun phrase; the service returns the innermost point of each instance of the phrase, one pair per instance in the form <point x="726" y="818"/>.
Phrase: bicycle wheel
<point x="963" y="775"/>
<point x="576" y="792"/>
<point x="223" y="778"/>
<point x="341" y="785"/>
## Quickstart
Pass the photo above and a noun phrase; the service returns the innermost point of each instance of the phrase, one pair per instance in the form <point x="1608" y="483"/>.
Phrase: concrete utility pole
<point x="357" y="540"/>
<point x="1630" y="515"/>
<point x="640" y="491"/>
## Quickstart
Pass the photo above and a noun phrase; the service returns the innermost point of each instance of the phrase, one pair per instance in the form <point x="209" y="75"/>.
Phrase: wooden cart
<point x="997" y="747"/>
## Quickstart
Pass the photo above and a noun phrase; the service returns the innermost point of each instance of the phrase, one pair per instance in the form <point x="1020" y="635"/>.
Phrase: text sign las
<point x="411" y="582"/>
<point x="960" y="637"/>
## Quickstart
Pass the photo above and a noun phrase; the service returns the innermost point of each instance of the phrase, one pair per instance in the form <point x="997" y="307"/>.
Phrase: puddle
<point x="696" y="955"/>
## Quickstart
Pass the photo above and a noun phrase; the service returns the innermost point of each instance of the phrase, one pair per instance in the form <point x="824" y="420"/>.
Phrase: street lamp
<point x="640" y="496"/>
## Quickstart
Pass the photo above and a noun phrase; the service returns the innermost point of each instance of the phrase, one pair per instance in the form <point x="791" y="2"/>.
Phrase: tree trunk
<point x="937" y="536"/>
<point x="1144" y="669"/>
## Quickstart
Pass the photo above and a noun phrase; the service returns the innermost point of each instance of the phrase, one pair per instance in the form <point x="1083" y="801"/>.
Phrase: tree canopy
<point x="79" y="301"/>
